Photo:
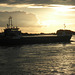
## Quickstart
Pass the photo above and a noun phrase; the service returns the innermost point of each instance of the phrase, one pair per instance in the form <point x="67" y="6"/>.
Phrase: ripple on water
<point x="38" y="59"/>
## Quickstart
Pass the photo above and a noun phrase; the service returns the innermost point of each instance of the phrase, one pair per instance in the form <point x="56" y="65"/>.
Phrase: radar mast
<point x="10" y="22"/>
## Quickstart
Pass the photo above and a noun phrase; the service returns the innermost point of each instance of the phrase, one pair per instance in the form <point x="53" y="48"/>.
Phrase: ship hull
<point x="35" y="40"/>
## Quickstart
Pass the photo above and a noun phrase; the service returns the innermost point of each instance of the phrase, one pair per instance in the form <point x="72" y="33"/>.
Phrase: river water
<point x="38" y="59"/>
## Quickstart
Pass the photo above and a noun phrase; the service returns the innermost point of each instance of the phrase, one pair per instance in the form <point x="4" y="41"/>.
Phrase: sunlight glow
<point x="63" y="8"/>
<point x="50" y="19"/>
<point x="35" y="7"/>
<point x="45" y="23"/>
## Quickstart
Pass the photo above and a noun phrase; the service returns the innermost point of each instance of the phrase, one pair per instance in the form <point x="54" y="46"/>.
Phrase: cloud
<point x="20" y="18"/>
<point x="42" y="2"/>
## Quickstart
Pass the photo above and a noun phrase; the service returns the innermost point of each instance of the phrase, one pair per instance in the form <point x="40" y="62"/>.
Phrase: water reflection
<point x="38" y="59"/>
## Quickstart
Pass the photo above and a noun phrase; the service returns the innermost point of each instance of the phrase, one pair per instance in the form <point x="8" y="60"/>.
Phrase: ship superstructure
<point x="12" y="32"/>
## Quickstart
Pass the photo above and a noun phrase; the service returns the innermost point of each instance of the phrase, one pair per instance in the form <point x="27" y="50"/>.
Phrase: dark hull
<point x="35" y="40"/>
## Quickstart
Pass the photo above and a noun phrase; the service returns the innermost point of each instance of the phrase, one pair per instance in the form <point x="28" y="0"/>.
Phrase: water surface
<point x="38" y="59"/>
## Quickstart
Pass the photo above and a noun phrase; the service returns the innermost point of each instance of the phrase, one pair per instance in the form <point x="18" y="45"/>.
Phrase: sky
<point x="36" y="16"/>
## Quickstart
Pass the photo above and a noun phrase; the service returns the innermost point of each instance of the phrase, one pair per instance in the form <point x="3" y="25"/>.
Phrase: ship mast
<point x="64" y="26"/>
<point x="10" y="22"/>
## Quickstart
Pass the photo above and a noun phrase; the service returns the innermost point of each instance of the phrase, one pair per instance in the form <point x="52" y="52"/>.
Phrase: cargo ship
<point x="12" y="36"/>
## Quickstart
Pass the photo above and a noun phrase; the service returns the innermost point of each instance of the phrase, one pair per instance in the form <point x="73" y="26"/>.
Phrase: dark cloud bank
<point x="21" y="19"/>
<point x="66" y="2"/>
